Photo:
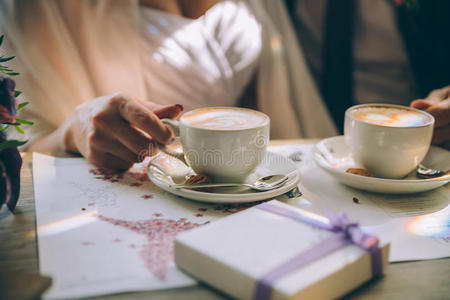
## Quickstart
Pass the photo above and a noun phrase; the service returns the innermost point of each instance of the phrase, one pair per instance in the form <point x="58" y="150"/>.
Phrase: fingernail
<point x="180" y="106"/>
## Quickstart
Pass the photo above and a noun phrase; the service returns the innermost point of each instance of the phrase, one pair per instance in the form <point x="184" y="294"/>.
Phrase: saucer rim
<point x="231" y="198"/>
<point x="316" y="151"/>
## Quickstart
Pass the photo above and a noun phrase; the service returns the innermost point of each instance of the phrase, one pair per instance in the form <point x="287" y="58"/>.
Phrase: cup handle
<point x="171" y="149"/>
<point x="174" y="124"/>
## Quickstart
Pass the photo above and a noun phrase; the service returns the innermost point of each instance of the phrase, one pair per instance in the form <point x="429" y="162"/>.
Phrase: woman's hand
<point x="437" y="103"/>
<point x="114" y="131"/>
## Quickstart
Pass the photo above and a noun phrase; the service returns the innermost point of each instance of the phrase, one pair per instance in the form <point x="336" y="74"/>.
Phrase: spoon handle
<point x="205" y="185"/>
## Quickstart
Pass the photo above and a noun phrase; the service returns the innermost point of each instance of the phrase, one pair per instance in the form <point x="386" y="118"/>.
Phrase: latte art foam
<point x="224" y="118"/>
<point x="391" y="116"/>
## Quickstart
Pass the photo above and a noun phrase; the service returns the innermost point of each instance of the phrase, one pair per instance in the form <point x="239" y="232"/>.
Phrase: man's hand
<point x="437" y="103"/>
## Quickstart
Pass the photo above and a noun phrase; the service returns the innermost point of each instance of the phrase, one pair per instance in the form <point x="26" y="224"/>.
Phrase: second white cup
<point x="388" y="140"/>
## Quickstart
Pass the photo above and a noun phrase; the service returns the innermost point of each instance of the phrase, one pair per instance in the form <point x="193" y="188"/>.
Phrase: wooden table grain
<point x="18" y="252"/>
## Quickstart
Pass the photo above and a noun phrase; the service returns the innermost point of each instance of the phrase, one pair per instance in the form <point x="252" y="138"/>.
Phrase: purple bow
<point x="346" y="233"/>
<point x="352" y="231"/>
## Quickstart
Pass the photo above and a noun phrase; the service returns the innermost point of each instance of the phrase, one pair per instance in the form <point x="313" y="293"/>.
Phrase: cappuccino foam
<point x="391" y="116"/>
<point x="224" y="118"/>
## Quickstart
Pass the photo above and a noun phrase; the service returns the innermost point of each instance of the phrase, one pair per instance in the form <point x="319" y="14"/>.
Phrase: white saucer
<point x="165" y="170"/>
<point x="333" y="156"/>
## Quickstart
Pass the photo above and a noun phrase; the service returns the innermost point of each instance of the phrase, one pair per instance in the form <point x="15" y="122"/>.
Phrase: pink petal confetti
<point x="147" y="196"/>
<point x="157" y="252"/>
<point x="110" y="176"/>
<point x="106" y="175"/>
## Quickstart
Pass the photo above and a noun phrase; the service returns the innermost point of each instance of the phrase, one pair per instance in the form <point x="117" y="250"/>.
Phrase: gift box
<point x="277" y="251"/>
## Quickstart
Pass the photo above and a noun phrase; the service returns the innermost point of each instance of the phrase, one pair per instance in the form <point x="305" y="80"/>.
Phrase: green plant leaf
<point x="1" y="39"/>
<point x="20" y="130"/>
<point x="4" y="127"/>
<point x="11" y="143"/>
<point x="22" y="105"/>
<point x="17" y="93"/>
<point x="22" y="121"/>
<point x="3" y="59"/>
<point x="7" y="71"/>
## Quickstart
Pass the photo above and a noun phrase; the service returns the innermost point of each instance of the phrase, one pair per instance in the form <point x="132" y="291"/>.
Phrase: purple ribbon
<point x="346" y="233"/>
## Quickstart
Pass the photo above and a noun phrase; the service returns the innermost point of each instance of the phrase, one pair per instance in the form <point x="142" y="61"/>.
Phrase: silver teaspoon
<point x="425" y="172"/>
<point x="265" y="183"/>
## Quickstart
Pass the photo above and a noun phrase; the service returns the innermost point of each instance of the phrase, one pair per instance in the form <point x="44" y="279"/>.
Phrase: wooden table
<point x="18" y="251"/>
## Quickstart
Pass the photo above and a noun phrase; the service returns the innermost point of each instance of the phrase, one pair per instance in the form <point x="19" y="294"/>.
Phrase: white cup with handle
<point x="224" y="143"/>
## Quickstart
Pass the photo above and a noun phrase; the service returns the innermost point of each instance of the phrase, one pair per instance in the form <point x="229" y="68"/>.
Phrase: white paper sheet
<point x="99" y="234"/>
<point x="417" y="226"/>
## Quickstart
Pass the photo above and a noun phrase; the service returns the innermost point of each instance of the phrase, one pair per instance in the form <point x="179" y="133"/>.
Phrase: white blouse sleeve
<point x="239" y="35"/>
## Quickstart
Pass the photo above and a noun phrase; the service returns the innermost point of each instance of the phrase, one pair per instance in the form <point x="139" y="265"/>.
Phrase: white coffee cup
<point x="388" y="140"/>
<point x="224" y="143"/>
